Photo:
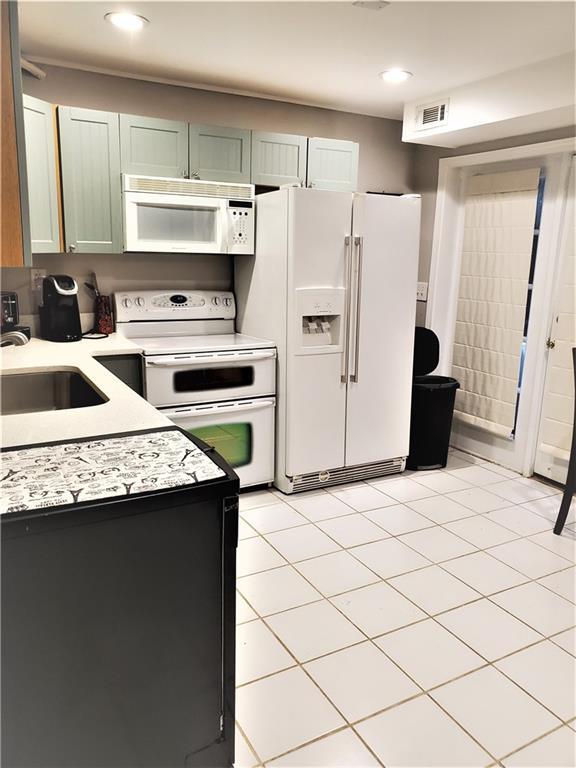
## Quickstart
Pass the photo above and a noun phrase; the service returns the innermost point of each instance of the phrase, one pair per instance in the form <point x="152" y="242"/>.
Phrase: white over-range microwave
<point x="187" y="216"/>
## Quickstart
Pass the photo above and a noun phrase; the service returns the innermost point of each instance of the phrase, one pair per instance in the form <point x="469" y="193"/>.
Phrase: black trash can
<point x="432" y="406"/>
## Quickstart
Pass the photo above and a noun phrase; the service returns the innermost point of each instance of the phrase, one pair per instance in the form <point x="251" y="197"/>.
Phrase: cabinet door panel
<point x="90" y="151"/>
<point x="220" y="154"/>
<point x="278" y="158"/>
<point x="151" y="146"/>
<point x="41" y="163"/>
<point x="333" y="164"/>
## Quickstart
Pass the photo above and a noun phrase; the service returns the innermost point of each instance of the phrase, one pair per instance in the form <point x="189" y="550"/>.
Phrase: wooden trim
<point x="11" y="240"/>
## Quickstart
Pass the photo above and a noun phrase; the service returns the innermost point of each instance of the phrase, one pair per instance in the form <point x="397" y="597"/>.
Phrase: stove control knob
<point x="216" y="301"/>
<point x="227" y="301"/>
<point x="126" y="302"/>
<point x="139" y="301"/>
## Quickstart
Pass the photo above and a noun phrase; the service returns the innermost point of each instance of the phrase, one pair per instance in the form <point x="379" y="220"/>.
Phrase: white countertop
<point x="124" y="411"/>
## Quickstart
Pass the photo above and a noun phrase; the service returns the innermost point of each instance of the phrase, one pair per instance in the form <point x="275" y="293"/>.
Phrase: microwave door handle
<point x="252" y="406"/>
<point x="184" y="362"/>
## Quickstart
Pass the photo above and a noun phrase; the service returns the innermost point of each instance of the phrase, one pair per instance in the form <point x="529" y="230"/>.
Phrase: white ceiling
<point x="324" y="53"/>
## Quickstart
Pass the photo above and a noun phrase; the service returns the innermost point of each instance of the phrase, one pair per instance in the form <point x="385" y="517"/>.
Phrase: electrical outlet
<point x="36" y="277"/>
<point x="421" y="291"/>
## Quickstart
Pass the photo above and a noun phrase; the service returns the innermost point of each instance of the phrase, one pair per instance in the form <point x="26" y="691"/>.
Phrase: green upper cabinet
<point x="41" y="164"/>
<point x="90" y="157"/>
<point x="333" y="164"/>
<point x="278" y="158"/>
<point x="219" y="154"/>
<point x="150" y="146"/>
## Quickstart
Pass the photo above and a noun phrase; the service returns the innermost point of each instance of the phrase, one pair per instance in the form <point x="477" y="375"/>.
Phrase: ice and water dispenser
<point x="320" y="313"/>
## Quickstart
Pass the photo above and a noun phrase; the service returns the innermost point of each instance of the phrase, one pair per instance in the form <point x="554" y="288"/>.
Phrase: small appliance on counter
<point x="10" y="316"/>
<point x="59" y="313"/>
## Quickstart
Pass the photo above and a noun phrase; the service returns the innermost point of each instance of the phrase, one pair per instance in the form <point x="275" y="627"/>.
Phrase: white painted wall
<point x="537" y="97"/>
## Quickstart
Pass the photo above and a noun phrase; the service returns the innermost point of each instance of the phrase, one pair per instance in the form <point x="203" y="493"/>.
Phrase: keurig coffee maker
<point x="59" y="314"/>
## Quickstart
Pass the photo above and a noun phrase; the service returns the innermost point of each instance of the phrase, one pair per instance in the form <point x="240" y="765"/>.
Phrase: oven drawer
<point x="212" y="376"/>
<point x="242" y="432"/>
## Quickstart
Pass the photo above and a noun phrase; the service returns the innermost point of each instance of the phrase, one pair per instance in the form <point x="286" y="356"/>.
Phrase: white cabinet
<point x="220" y="154"/>
<point x="41" y="164"/>
<point x="278" y="158"/>
<point x="332" y="164"/>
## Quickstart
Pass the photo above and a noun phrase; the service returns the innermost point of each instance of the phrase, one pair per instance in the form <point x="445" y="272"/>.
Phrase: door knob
<point x="550" y="343"/>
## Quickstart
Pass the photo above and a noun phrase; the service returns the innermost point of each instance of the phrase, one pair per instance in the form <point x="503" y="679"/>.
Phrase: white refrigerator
<point x="333" y="283"/>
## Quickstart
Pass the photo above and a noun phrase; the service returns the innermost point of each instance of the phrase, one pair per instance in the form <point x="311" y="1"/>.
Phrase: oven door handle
<point x="208" y="359"/>
<point x="252" y="405"/>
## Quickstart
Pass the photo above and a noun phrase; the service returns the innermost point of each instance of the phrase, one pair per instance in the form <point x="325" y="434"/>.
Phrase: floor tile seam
<point x="534" y="741"/>
<point x="276" y="530"/>
<point x="494" y="522"/>
<point x="331" y="494"/>
<point x="572" y="562"/>
<point x="446" y="712"/>
<point x="531" y="695"/>
<point x="470" y="512"/>
<point x="560" y="632"/>
<point x="425" y="694"/>
<point x="496" y="592"/>
<point x="525" y="575"/>
<point x="503" y="525"/>
<point x="502" y="608"/>
<point x="342" y="728"/>
<point x="260" y="762"/>
<point x="573" y="602"/>
<point x="289" y="563"/>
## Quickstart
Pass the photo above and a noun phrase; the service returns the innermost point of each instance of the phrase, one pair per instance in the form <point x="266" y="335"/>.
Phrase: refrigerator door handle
<point x="358" y="244"/>
<point x="346" y="325"/>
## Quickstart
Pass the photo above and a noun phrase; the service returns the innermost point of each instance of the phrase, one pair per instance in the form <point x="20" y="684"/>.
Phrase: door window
<point x="233" y="442"/>
<point x="202" y="379"/>
<point x="164" y="222"/>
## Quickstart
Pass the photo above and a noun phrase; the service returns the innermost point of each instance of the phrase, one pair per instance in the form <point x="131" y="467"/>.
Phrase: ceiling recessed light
<point x="129" y="22"/>
<point x="395" y="75"/>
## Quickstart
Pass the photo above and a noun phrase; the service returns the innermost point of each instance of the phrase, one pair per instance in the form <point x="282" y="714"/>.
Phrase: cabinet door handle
<point x="550" y="343"/>
<point x="71" y="248"/>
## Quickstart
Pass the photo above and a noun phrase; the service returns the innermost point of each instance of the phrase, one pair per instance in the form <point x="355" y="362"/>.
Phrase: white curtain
<point x="500" y="212"/>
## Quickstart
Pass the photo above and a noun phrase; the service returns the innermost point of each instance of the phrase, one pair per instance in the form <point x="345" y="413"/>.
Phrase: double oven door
<point x="224" y="398"/>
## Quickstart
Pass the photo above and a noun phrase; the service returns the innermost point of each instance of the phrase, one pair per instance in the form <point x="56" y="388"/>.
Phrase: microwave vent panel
<point x="188" y="187"/>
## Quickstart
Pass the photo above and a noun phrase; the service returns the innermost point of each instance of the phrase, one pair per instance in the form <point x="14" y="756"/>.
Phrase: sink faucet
<point x="14" y="338"/>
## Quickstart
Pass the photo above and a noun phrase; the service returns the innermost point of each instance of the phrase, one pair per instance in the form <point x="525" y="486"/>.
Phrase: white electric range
<point x="217" y="384"/>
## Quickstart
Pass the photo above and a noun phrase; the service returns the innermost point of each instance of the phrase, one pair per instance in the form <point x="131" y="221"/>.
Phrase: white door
<point x="382" y="317"/>
<point x="318" y="258"/>
<point x="555" y="433"/>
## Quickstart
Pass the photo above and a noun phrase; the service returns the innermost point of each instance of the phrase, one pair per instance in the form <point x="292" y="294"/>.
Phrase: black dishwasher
<point x="118" y="612"/>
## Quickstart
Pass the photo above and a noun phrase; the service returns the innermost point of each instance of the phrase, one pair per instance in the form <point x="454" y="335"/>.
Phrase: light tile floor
<point x="418" y="620"/>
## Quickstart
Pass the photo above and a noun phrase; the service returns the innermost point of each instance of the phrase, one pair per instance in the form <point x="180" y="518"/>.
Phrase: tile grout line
<point x="428" y="616"/>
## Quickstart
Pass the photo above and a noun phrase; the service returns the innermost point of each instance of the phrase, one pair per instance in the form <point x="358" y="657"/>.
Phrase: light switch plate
<point x="421" y="291"/>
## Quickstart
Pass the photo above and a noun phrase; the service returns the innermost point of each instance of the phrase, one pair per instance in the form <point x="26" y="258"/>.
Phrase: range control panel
<point x="174" y="305"/>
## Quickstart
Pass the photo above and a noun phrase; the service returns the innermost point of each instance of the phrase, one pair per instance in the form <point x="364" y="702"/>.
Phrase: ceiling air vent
<point x="432" y="115"/>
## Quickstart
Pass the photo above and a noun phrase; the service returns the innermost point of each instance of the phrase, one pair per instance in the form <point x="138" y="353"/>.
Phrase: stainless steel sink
<point x="50" y="390"/>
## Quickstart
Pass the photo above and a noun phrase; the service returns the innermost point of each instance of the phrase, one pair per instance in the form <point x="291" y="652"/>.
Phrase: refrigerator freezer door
<point x="316" y="397"/>
<point x="382" y="317"/>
